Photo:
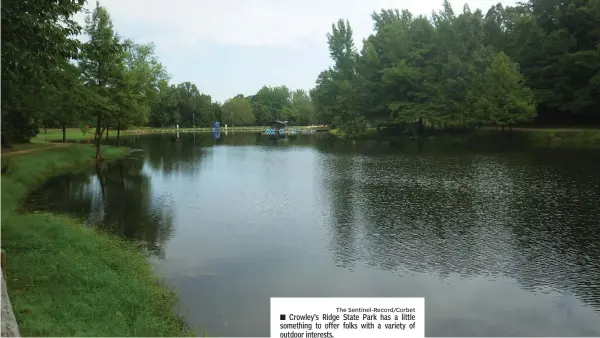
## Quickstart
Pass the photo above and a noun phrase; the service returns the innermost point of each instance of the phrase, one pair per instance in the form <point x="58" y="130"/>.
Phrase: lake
<point x="500" y="243"/>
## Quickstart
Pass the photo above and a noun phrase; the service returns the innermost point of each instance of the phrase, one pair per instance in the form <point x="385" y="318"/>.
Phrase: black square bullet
<point x="281" y="317"/>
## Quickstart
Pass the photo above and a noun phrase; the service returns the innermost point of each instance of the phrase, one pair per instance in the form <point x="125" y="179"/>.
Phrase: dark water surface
<point x="498" y="243"/>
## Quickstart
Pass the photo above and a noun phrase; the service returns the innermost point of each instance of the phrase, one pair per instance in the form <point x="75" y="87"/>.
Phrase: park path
<point x="31" y="150"/>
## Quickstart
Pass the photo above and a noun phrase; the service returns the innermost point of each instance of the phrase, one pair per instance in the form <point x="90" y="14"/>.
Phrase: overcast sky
<point x="230" y="47"/>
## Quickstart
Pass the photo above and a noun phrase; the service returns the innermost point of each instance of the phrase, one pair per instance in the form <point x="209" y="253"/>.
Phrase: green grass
<point x="562" y="138"/>
<point x="56" y="135"/>
<point x="65" y="279"/>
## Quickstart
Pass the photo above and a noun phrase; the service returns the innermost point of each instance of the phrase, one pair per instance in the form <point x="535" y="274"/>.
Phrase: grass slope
<point x="68" y="280"/>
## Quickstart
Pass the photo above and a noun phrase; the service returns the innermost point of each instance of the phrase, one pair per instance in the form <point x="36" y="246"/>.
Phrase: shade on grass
<point x="68" y="280"/>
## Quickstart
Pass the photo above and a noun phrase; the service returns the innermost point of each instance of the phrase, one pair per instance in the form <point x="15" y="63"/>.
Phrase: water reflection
<point x="161" y="142"/>
<point x="499" y="243"/>
<point x="171" y="154"/>
<point x="116" y="197"/>
<point x="343" y="220"/>
<point x="470" y="216"/>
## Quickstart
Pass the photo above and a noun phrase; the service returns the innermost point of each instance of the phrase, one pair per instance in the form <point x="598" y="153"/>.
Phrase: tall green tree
<point x="338" y="95"/>
<point x="69" y="97"/>
<point x="165" y="111"/>
<point x="183" y="105"/>
<point x="130" y="102"/>
<point x="559" y="52"/>
<point x="301" y="109"/>
<point x="145" y="74"/>
<point x="269" y="103"/>
<point x="323" y="96"/>
<point x="503" y="99"/>
<point x="189" y="103"/>
<point x="461" y="70"/>
<point x="238" y="112"/>
<point x="102" y="66"/>
<point x="37" y="35"/>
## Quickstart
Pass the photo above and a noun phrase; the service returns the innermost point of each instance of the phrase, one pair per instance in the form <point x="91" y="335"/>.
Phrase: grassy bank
<point x="65" y="279"/>
<point x="485" y="137"/>
<point x="574" y="138"/>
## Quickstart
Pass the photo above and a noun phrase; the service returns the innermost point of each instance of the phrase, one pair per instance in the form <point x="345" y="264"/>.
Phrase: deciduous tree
<point x="102" y="66"/>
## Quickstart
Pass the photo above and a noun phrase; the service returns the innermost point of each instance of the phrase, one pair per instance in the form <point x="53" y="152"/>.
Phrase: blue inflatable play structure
<point x="216" y="130"/>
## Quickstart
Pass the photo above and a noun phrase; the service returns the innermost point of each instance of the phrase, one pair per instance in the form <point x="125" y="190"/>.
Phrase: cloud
<point x="229" y="47"/>
<point x="254" y="22"/>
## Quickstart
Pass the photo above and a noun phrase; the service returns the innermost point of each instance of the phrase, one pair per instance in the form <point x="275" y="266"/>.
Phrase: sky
<point x="230" y="47"/>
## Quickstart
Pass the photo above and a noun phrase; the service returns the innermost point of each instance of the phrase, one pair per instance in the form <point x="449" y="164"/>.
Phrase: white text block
<point x="347" y="317"/>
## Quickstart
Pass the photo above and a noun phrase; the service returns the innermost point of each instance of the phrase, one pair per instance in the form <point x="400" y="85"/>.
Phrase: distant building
<point x="279" y="124"/>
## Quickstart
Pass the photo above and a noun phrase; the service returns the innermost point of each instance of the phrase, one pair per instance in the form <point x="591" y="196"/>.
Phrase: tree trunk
<point x="502" y="128"/>
<point x="45" y="130"/>
<point x="64" y="131"/>
<point x="118" y="131"/>
<point x="510" y="127"/>
<point x="98" y="139"/>
<point x="106" y="139"/>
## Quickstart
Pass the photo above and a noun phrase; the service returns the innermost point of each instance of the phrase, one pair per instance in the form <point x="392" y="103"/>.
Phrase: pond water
<point x="499" y="243"/>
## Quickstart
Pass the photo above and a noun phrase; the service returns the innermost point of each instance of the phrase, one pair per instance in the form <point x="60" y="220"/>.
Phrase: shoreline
<point x="516" y="138"/>
<point x="73" y="134"/>
<point x="66" y="279"/>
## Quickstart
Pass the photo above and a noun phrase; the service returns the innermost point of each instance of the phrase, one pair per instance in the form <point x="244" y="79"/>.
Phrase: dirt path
<point x="26" y="151"/>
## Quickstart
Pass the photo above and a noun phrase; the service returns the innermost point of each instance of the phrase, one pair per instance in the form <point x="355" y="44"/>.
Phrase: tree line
<point x="185" y="106"/>
<point x="536" y="62"/>
<point x="108" y="83"/>
<point x="50" y="78"/>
